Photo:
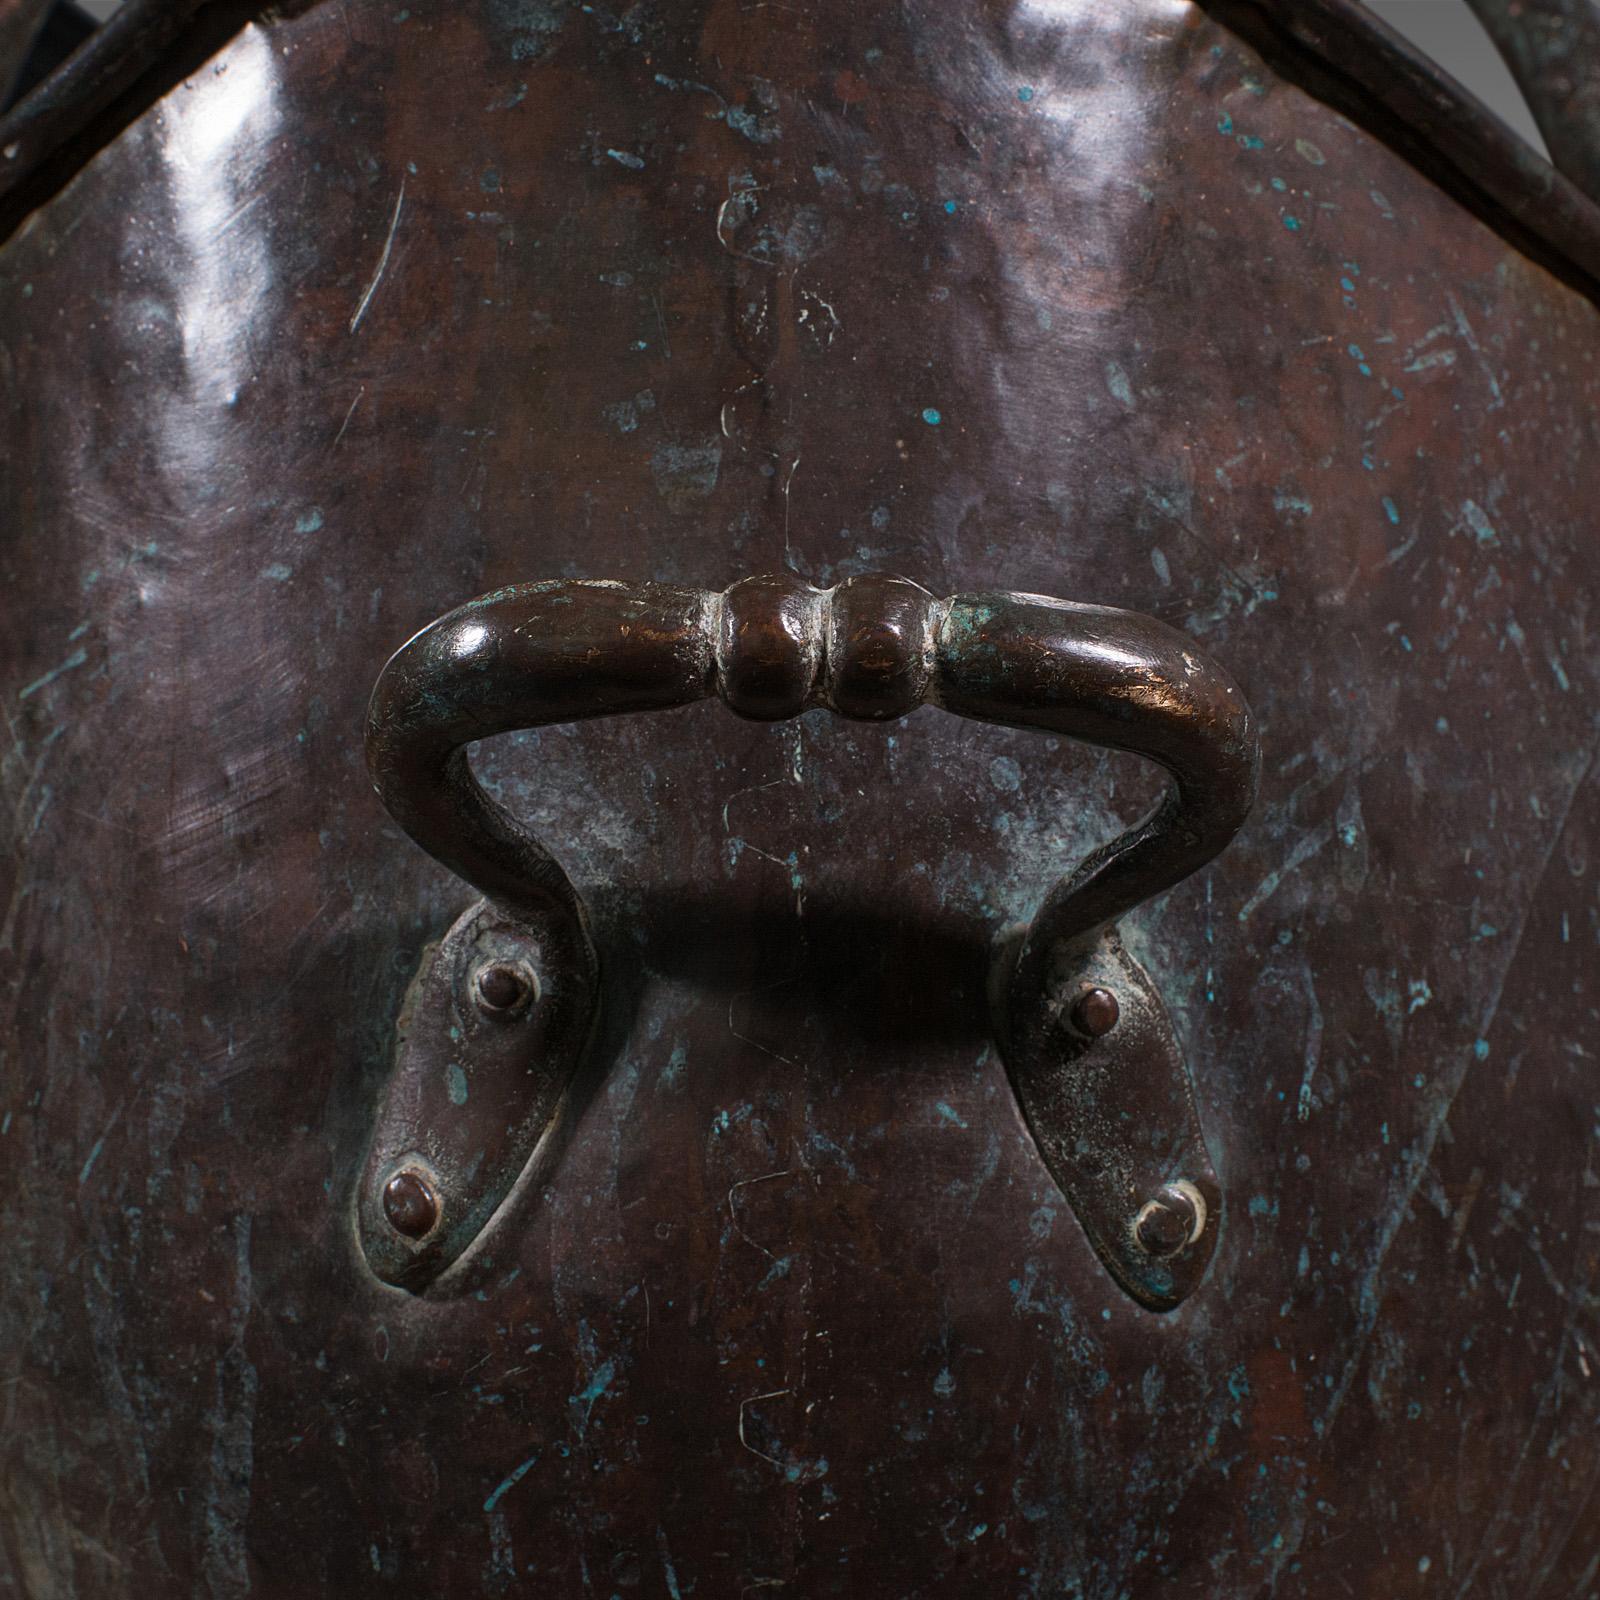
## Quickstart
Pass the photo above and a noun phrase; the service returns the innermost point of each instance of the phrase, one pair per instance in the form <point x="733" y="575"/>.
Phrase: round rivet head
<point x="1095" y="1012"/>
<point x="1176" y="1217"/>
<point x="410" y="1204"/>
<point x="502" y="988"/>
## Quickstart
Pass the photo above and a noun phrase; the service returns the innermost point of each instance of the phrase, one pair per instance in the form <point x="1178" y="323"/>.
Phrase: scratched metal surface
<point x="387" y="307"/>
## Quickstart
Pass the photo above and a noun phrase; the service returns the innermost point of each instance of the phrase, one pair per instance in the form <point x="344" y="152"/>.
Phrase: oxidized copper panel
<point x="387" y="307"/>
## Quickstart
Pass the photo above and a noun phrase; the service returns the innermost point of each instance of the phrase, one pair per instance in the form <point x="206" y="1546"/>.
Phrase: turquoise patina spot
<point x="1117" y="383"/>
<point x="932" y="417"/>
<point x="456" y="1084"/>
<point x="1482" y="529"/>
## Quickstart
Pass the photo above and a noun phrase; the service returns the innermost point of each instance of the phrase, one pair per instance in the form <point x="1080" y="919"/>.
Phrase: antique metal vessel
<point x="1084" y="1085"/>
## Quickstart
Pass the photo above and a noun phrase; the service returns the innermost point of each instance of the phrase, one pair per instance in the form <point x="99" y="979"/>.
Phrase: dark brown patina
<point x="1149" y="306"/>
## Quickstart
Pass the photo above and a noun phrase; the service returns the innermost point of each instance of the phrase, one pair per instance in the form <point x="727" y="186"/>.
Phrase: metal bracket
<point x="488" y="1040"/>
<point x="1103" y="1083"/>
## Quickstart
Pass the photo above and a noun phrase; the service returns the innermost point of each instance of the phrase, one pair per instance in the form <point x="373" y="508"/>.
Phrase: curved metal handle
<point x="772" y="647"/>
<point x="873" y="648"/>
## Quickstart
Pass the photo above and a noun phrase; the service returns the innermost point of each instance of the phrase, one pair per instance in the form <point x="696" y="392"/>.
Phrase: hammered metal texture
<point x="392" y="304"/>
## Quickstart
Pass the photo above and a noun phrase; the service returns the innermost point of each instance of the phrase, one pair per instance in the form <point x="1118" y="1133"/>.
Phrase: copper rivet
<point x="1173" y="1219"/>
<point x="502" y="987"/>
<point x="410" y="1204"/>
<point x="1095" y="1012"/>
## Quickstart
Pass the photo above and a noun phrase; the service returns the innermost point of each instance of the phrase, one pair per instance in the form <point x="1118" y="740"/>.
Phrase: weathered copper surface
<point x="1359" y="66"/>
<point x="390" y="305"/>
<point x="1553" y="47"/>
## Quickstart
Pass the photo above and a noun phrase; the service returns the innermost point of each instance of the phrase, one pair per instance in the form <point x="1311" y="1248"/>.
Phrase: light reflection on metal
<point x="215" y="137"/>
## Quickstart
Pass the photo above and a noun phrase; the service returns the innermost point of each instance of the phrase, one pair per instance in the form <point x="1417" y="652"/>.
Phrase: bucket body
<point x="388" y="307"/>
